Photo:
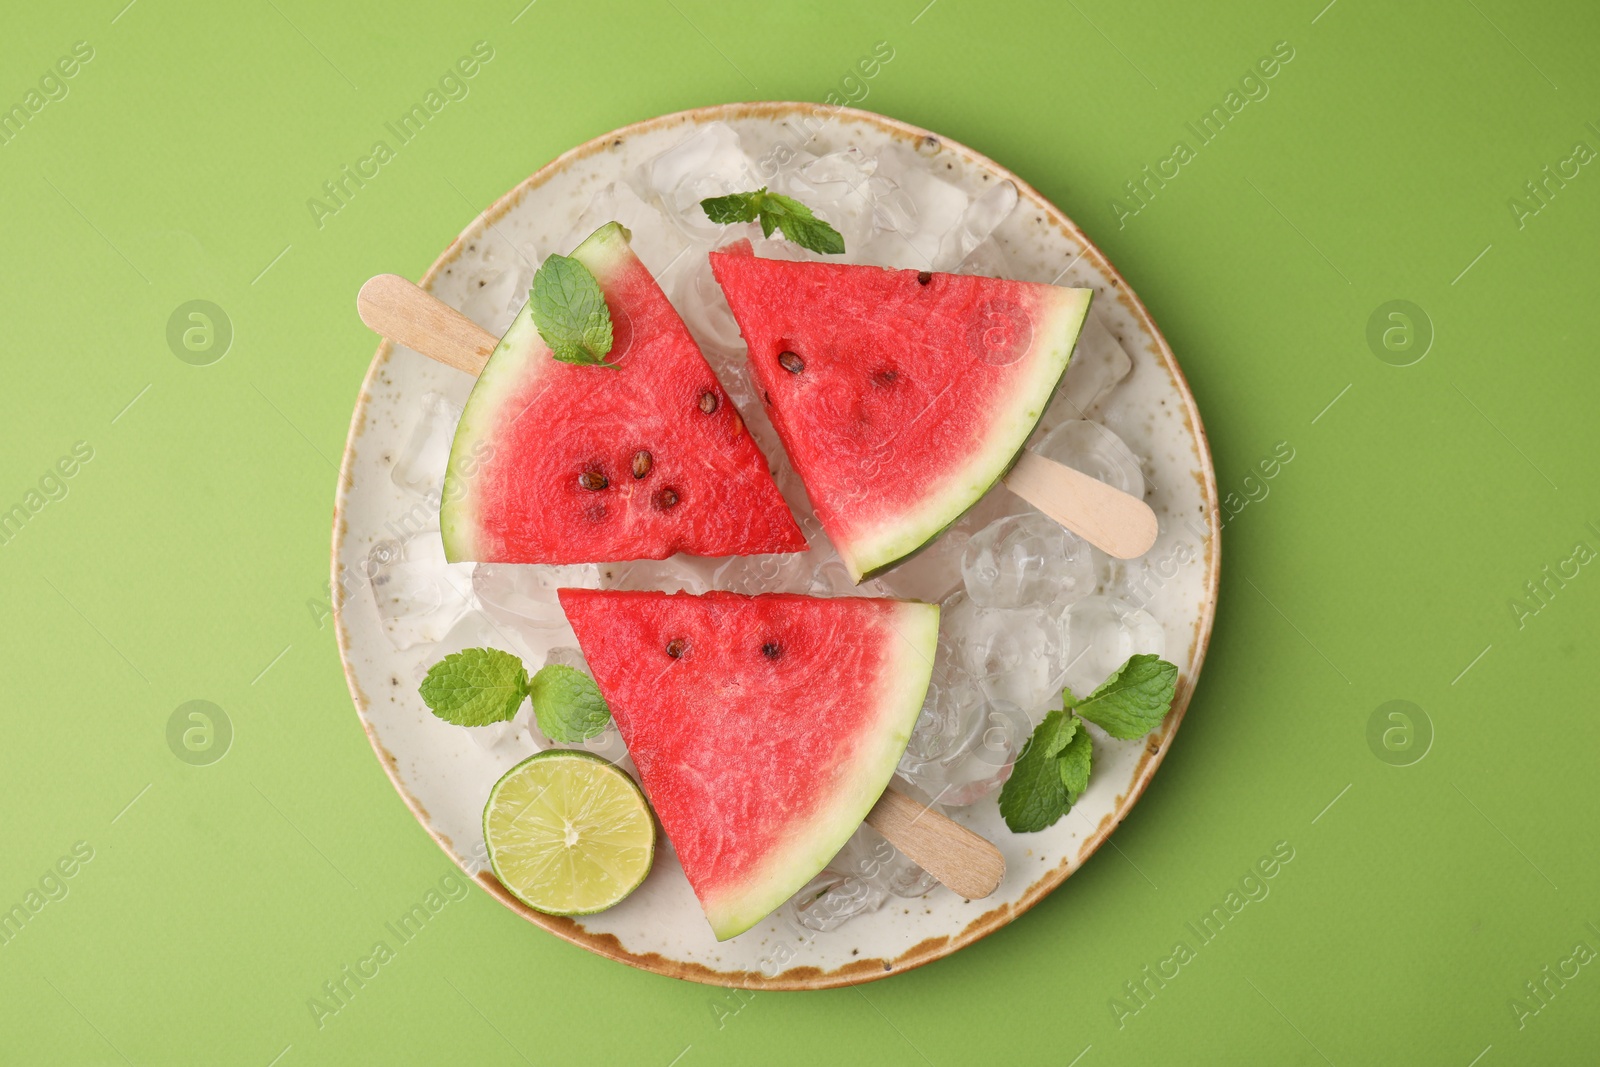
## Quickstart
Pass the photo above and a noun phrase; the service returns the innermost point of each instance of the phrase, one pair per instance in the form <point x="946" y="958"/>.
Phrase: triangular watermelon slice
<point x="557" y="463"/>
<point x="901" y="396"/>
<point x="764" y="728"/>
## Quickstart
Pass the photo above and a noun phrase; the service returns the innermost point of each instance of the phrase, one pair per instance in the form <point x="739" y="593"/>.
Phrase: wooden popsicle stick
<point x="410" y="316"/>
<point x="1117" y="523"/>
<point x="963" y="861"/>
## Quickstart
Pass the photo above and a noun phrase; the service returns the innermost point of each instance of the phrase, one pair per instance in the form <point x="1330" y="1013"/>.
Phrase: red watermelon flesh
<point x="901" y="396"/>
<point x="558" y="463"/>
<point x="764" y="728"/>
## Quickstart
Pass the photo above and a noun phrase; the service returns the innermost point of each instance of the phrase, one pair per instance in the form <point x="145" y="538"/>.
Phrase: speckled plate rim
<point x="864" y="970"/>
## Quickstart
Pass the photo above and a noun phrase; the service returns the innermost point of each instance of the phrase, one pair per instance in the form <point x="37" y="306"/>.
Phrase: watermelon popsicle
<point x="766" y="728"/>
<point x="558" y="462"/>
<point x="903" y="396"/>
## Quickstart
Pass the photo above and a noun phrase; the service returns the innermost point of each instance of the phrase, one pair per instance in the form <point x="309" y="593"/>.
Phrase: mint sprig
<point x="776" y="212"/>
<point x="569" y="309"/>
<point x="480" y="686"/>
<point x="1133" y="701"/>
<point x="1053" y="770"/>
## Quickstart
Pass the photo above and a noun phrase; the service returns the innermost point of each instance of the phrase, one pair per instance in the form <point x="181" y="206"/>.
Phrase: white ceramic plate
<point x="444" y="774"/>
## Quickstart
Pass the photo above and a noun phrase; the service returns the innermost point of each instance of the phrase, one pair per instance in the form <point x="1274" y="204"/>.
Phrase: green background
<point x="189" y="557"/>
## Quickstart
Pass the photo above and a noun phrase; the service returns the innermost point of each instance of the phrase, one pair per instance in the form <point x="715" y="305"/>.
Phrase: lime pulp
<point x="568" y="833"/>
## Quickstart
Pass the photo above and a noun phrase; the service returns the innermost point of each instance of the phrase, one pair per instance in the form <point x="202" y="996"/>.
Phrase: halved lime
<point x="568" y="833"/>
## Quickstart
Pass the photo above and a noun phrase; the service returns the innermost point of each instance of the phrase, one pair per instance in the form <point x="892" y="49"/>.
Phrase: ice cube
<point x="475" y="629"/>
<point x="903" y="878"/>
<point x="656" y="242"/>
<point x="568" y="656"/>
<point x="420" y="466"/>
<point x="832" y="578"/>
<point x="675" y="574"/>
<point x="1099" y="363"/>
<point x="514" y="737"/>
<point x="495" y="274"/>
<point x="980" y="768"/>
<point x="975" y="226"/>
<point x="868" y="855"/>
<point x="1115" y="577"/>
<point x="841" y="189"/>
<point x="709" y="162"/>
<point x="917" y="210"/>
<point x="495" y="296"/>
<point x="830" y="900"/>
<point x="988" y="261"/>
<point x="607" y="744"/>
<point x="525" y="594"/>
<point x="786" y="572"/>
<point x="1101" y="633"/>
<point x="1024" y="561"/>
<point x="699" y="299"/>
<point x="1017" y="655"/>
<point x="418" y="595"/>
<point x="734" y="374"/>
<point x="893" y="210"/>
<point x="965" y="742"/>
<point x="952" y="716"/>
<point x="933" y="573"/>
<point x="1096" y="451"/>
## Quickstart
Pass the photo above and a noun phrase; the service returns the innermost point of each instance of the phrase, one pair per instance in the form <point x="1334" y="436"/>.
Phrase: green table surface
<point x="1431" y="542"/>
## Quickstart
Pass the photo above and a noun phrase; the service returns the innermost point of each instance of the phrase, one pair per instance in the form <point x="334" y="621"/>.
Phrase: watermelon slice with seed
<point x="901" y="396"/>
<point x="764" y="728"/>
<point x="559" y="463"/>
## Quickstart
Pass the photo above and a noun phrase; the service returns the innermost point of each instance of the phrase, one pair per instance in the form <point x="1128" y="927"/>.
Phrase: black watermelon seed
<point x="923" y="277"/>
<point x="771" y="650"/>
<point x="675" y="648"/>
<point x="642" y="462"/>
<point x="791" y="362"/>
<point x="667" y="498"/>
<point x="593" y="481"/>
<point x="708" y="401"/>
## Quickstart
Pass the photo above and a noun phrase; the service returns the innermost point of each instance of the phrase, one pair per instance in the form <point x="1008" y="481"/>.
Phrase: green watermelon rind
<point x="515" y="362"/>
<point x="1052" y="350"/>
<point x="736" y="908"/>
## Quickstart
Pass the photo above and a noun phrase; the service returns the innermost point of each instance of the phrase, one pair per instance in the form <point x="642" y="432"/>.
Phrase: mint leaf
<point x="1073" y="763"/>
<point x="1063" y="735"/>
<point x="1133" y="701"/>
<point x="776" y="212"/>
<point x="1035" y="796"/>
<point x="567" y="703"/>
<point x="1052" y="772"/>
<point x="1049" y="776"/>
<point x="735" y="207"/>
<point x="475" y="687"/>
<point x="569" y="309"/>
<point x="805" y="229"/>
